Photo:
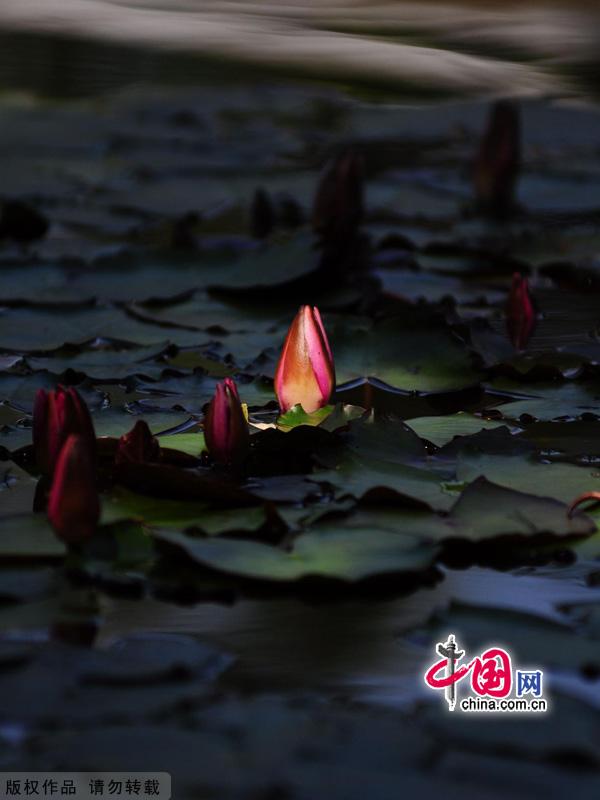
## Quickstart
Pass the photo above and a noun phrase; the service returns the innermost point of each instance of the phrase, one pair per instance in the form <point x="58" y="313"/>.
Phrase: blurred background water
<point x="74" y="47"/>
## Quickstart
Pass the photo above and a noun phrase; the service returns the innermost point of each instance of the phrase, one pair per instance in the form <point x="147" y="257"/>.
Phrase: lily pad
<point x="178" y="514"/>
<point x="29" y="537"/>
<point x="485" y="511"/>
<point x="385" y="483"/>
<point x="563" y="482"/>
<point x="342" y="556"/>
<point x="441" y="430"/>
<point x="548" y="401"/>
<point x="430" y="360"/>
<point x="297" y="416"/>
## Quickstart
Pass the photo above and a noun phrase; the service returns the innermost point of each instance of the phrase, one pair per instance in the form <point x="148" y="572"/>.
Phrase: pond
<point x="263" y="630"/>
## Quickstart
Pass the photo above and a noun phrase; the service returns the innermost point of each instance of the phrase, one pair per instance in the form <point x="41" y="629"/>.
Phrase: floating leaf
<point x="297" y="416"/>
<point x="345" y="556"/>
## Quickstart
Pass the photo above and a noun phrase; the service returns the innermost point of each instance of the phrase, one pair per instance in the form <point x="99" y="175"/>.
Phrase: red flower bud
<point x="305" y="373"/>
<point x="498" y="162"/>
<point x="56" y="415"/>
<point x="338" y="203"/>
<point x="137" y="446"/>
<point x="225" y="428"/>
<point x="73" y="502"/>
<point x="520" y="313"/>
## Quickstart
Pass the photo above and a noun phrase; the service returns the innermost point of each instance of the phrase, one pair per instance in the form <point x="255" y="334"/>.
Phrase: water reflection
<point x="372" y="651"/>
<point x="422" y="48"/>
<point x="344" y="647"/>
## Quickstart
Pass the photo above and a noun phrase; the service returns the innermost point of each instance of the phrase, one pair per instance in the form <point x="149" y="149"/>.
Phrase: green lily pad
<point x="563" y="482"/>
<point x="105" y="363"/>
<point x="424" y="359"/>
<point x="441" y="430"/>
<point x="343" y="556"/>
<point x="385" y="438"/>
<point x="29" y="537"/>
<point x="297" y="416"/>
<point x="191" y="443"/>
<point x="434" y="288"/>
<point x="485" y="511"/>
<point x="386" y="482"/>
<point x="179" y="514"/>
<point x="17" y="490"/>
<point x="27" y="329"/>
<point x="192" y="392"/>
<point x="548" y="401"/>
<point x="20" y="390"/>
<point x="263" y="270"/>
<point x="115" y="421"/>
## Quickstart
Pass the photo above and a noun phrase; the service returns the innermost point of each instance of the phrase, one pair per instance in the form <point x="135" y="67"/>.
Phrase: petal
<point x="295" y="377"/>
<point x="73" y="503"/>
<point x="225" y="428"/>
<point x="321" y="357"/>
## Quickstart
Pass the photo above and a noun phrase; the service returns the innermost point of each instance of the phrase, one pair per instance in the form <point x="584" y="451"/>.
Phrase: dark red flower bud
<point x="73" y="502"/>
<point x="338" y="203"/>
<point x="498" y="161"/>
<point x="56" y="415"/>
<point x="138" y="446"/>
<point x="520" y="312"/>
<point x="225" y="428"/>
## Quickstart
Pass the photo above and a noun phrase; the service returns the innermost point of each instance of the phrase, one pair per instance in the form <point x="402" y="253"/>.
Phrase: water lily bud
<point x="520" y="312"/>
<point x="73" y="502"/>
<point x="498" y="161"/>
<point x="225" y="428"/>
<point x="305" y="373"/>
<point x="338" y="203"/>
<point x="138" y="446"/>
<point x="57" y="414"/>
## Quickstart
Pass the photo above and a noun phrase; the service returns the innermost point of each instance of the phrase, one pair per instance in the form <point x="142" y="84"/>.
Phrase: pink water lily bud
<point x="57" y="414"/>
<point x="339" y="200"/>
<point x="520" y="312"/>
<point x="305" y="373"/>
<point x="225" y="428"/>
<point x="138" y="446"/>
<point x="73" y="502"/>
<point x="498" y="160"/>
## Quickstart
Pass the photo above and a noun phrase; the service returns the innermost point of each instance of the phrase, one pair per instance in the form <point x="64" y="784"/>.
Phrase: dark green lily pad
<point x="548" y="401"/>
<point x="425" y="359"/>
<point x="385" y="482"/>
<point x="441" y="430"/>
<point x="343" y="555"/>
<point x="485" y="511"/>
<point x="17" y="490"/>
<point x="563" y="482"/>
<point x="297" y="416"/>
<point x="29" y="537"/>
<point x="179" y="514"/>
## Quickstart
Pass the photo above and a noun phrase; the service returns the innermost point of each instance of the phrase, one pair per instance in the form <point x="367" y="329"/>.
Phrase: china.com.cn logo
<point x="491" y="681"/>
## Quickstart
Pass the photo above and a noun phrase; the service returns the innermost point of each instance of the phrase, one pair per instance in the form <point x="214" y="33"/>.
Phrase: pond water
<point x="419" y="49"/>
